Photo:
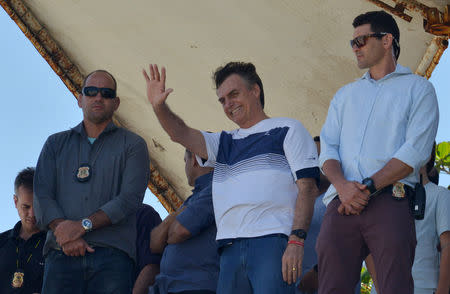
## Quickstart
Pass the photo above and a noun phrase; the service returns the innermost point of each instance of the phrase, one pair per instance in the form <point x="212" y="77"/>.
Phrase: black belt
<point x="408" y="191"/>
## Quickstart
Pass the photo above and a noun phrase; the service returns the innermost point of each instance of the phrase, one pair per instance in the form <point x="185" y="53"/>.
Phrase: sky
<point x="36" y="104"/>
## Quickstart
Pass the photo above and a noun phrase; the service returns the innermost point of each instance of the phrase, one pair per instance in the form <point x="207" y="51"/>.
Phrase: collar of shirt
<point x="15" y="232"/>
<point x="202" y="181"/>
<point x="80" y="129"/>
<point x="399" y="70"/>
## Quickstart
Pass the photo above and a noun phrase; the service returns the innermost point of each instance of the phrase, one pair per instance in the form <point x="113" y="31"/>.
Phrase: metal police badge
<point x="398" y="191"/>
<point x="84" y="173"/>
<point x="17" y="281"/>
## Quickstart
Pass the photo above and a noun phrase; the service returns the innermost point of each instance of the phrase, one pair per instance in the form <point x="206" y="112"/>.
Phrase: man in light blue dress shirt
<point x="378" y="133"/>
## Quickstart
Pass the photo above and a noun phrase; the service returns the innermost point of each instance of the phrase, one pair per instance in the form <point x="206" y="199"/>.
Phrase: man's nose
<point x="31" y="212"/>
<point x="98" y="96"/>
<point x="228" y="103"/>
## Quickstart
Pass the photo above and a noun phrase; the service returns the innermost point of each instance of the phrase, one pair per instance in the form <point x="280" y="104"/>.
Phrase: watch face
<point x="370" y="184"/>
<point x="86" y="224"/>
<point x="299" y="233"/>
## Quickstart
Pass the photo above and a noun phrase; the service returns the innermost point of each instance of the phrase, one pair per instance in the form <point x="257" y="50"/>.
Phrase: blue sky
<point x="37" y="104"/>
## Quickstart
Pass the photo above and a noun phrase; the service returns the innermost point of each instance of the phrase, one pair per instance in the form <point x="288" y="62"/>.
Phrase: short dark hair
<point x="381" y="21"/>
<point x="246" y="70"/>
<point x="433" y="176"/>
<point x="25" y="179"/>
<point x="316" y="139"/>
<point x="103" y="71"/>
<point x="430" y="163"/>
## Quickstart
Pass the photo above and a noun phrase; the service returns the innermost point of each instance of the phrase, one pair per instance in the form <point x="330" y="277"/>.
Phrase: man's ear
<point x="194" y="160"/>
<point x="15" y="200"/>
<point x="387" y="41"/>
<point x="117" y="103"/>
<point x="256" y="90"/>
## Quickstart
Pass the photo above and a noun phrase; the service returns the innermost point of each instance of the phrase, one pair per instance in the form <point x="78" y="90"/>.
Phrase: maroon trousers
<point x="385" y="229"/>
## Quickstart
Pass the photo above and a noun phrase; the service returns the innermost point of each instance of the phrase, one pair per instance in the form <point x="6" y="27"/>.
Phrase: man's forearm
<point x="174" y="126"/>
<point x="145" y="279"/>
<point x="99" y="219"/>
<point x="333" y="171"/>
<point x="159" y="235"/>
<point x="304" y="206"/>
<point x="179" y="132"/>
<point x="392" y="172"/>
<point x="54" y="223"/>
<point x="323" y="184"/>
<point x="177" y="233"/>
<point x="444" y="267"/>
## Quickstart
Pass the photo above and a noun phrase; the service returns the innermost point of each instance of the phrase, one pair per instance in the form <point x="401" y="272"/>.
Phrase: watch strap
<point x="370" y="185"/>
<point x="299" y="233"/>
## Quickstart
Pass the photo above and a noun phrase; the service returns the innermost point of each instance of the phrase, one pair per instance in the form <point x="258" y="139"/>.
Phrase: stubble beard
<point x="100" y="118"/>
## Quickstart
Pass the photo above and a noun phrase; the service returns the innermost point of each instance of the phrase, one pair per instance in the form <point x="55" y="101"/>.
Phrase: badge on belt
<point x="398" y="191"/>
<point x="17" y="281"/>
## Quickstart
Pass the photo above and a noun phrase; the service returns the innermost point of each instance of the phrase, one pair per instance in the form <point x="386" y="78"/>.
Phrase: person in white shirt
<point x="378" y="134"/>
<point x="264" y="184"/>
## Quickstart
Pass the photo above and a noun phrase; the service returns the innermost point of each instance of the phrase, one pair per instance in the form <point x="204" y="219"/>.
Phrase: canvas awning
<point x="300" y="49"/>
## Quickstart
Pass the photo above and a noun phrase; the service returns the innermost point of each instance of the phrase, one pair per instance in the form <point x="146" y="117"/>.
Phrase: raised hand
<point x="156" y="85"/>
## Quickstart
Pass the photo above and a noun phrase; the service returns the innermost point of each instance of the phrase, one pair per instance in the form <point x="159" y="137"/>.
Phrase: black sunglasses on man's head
<point x="107" y="93"/>
<point x="362" y="40"/>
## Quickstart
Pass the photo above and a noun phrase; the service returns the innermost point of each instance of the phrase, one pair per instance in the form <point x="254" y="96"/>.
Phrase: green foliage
<point x="443" y="157"/>
<point x="366" y="281"/>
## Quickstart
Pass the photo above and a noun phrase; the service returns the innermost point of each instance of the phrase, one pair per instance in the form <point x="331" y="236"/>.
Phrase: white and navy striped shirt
<point x="256" y="169"/>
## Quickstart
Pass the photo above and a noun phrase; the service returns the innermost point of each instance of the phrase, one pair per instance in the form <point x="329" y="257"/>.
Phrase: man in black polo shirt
<point x="21" y="261"/>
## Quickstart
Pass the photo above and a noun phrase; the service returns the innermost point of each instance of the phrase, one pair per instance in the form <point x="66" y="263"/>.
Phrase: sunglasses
<point x="362" y="40"/>
<point x="106" y="93"/>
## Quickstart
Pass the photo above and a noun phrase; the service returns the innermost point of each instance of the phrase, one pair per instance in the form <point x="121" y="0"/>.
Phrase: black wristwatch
<point x="299" y="233"/>
<point x="370" y="185"/>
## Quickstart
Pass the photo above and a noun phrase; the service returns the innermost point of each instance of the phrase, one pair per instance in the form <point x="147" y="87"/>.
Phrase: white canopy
<point x="300" y="49"/>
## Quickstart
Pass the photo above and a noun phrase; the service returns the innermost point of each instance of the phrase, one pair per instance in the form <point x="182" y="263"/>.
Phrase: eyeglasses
<point x="362" y="40"/>
<point x="106" y="93"/>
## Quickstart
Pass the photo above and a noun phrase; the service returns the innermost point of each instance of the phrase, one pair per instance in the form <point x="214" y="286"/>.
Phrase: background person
<point x="21" y="260"/>
<point x="190" y="262"/>
<point x="147" y="262"/>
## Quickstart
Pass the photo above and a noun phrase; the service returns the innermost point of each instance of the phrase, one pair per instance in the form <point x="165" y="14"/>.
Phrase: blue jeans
<point x="105" y="271"/>
<point x="253" y="265"/>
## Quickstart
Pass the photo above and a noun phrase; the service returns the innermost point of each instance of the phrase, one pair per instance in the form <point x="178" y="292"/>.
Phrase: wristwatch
<point x="299" y="233"/>
<point x="370" y="185"/>
<point x="87" y="224"/>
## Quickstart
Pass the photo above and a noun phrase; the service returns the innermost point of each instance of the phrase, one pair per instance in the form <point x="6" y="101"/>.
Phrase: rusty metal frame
<point x="73" y="79"/>
<point x="432" y="56"/>
<point x="434" y="21"/>
<point x="398" y="10"/>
